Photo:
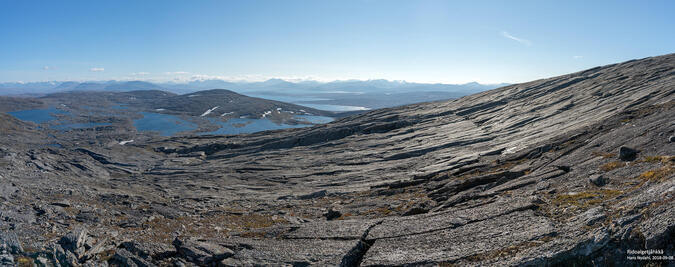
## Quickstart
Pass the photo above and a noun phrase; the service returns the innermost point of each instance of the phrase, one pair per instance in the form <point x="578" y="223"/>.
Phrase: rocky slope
<point x="575" y="169"/>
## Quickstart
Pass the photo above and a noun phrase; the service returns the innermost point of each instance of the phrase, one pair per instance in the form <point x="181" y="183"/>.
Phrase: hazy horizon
<point x="290" y="80"/>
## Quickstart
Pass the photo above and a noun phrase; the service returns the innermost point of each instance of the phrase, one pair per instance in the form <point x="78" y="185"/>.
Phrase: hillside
<point x="574" y="169"/>
<point x="18" y="103"/>
<point x="228" y="103"/>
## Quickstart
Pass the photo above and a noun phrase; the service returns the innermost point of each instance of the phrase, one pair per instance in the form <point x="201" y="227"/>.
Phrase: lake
<point x="166" y="125"/>
<point x="37" y="115"/>
<point x="40" y="116"/>
<point x="169" y="125"/>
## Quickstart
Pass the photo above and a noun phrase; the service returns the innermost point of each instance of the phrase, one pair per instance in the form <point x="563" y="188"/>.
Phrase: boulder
<point x="125" y="258"/>
<point x="61" y="203"/>
<point x="74" y="240"/>
<point x="332" y="214"/>
<point x="317" y="194"/>
<point x="42" y="261"/>
<point x="87" y="216"/>
<point x="420" y="208"/>
<point x="597" y="180"/>
<point x="201" y="253"/>
<point x="627" y="153"/>
<point x="149" y="251"/>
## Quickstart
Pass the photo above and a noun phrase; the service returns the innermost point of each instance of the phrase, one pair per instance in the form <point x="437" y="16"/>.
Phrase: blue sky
<point x="418" y="41"/>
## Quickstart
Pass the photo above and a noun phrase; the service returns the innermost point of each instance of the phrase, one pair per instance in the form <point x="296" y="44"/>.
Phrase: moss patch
<point x="586" y="199"/>
<point x="509" y="251"/>
<point x="216" y="225"/>
<point x="657" y="175"/>
<point x="24" y="262"/>
<point x="611" y="166"/>
<point x="604" y="155"/>
<point x="658" y="159"/>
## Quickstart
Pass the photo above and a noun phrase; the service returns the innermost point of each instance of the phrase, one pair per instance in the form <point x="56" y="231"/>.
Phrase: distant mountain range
<point x="272" y="86"/>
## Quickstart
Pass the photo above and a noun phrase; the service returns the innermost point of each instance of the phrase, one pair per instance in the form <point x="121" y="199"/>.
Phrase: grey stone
<point x="74" y="239"/>
<point x="61" y="203"/>
<point x="126" y="258"/>
<point x="279" y="252"/>
<point x="11" y="242"/>
<point x="6" y="258"/>
<point x="597" y="180"/>
<point x="470" y="239"/>
<point x="42" y="261"/>
<point x="71" y="259"/>
<point x="592" y="216"/>
<point x="149" y="251"/>
<point x="201" y="253"/>
<point x="316" y="194"/>
<point x="87" y="216"/>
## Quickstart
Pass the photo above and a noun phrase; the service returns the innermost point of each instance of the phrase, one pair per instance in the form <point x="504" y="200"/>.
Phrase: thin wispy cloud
<point x="577" y="57"/>
<point x="203" y="77"/>
<point x="45" y="68"/>
<point x="96" y="69"/>
<point x="176" y="72"/>
<point x="140" y="73"/>
<point x="517" y="39"/>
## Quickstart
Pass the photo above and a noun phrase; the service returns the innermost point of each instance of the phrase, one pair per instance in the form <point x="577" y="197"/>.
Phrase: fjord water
<point x="330" y="107"/>
<point x="304" y="100"/>
<point x="168" y="125"/>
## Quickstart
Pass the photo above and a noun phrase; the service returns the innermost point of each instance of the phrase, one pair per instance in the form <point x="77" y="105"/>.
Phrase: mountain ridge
<point x="191" y="86"/>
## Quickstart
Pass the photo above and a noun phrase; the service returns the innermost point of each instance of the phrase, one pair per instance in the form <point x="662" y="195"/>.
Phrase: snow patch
<point x="226" y="113"/>
<point x="126" y="142"/>
<point x="160" y="109"/>
<point x="209" y="111"/>
<point x="266" y="113"/>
